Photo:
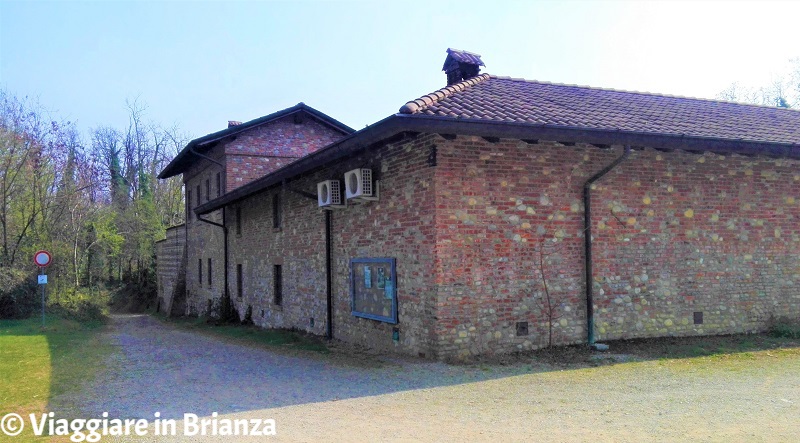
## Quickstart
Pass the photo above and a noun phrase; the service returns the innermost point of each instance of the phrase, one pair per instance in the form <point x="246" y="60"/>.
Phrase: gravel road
<point x="315" y="397"/>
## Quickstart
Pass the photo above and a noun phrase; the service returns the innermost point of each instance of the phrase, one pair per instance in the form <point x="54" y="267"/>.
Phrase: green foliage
<point x="221" y="311"/>
<point x="18" y="294"/>
<point x="784" y="328"/>
<point x="97" y="207"/>
<point x="134" y="297"/>
<point x="80" y="304"/>
<point x="248" y="316"/>
<point x="105" y="230"/>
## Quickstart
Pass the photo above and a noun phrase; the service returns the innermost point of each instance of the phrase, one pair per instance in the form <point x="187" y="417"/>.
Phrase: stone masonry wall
<point x="400" y="225"/>
<point x="169" y="253"/>
<point x="674" y="234"/>
<point x="507" y="214"/>
<point x="205" y="241"/>
<point x="246" y="157"/>
<point x="679" y="233"/>
<point x="264" y="149"/>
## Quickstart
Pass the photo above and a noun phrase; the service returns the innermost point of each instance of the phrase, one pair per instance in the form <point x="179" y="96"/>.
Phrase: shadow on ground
<point x="161" y="368"/>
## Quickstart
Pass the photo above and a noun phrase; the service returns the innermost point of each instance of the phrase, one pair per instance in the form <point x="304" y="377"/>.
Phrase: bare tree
<point x="782" y="92"/>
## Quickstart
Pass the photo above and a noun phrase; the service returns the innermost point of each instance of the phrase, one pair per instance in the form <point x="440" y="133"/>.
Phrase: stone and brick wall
<point x="509" y="213"/>
<point x="678" y="234"/>
<point x="170" y="254"/>
<point x="249" y="155"/>
<point x="205" y="241"/>
<point x="489" y="242"/>
<point x="675" y="234"/>
<point x="400" y="225"/>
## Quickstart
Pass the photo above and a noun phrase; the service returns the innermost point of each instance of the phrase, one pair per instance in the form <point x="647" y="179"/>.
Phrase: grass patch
<point x="37" y="364"/>
<point x="729" y="348"/>
<point x="742" y="345"/>
<point x="248" y="334"/>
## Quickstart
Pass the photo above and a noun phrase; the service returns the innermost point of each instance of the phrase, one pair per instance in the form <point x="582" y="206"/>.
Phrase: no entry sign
<point x="42" y="258"/>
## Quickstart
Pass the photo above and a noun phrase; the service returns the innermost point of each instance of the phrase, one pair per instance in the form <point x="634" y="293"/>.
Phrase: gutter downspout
<point x="587" y="242"/>
<point x="328" y="274"/>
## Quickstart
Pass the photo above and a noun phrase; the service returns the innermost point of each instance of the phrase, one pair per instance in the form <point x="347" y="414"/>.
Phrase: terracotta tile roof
<point x="502" y="99"/>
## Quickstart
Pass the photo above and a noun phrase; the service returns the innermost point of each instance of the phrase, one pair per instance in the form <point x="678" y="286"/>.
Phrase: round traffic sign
<point x="42" y="258"/>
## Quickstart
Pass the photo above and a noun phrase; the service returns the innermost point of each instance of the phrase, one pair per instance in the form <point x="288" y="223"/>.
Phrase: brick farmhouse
<point x="495" y="215"/>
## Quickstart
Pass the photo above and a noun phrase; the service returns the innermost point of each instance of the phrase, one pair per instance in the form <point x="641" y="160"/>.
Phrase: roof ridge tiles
<point x="645" y="93"/>
<point x="429" y="99"/>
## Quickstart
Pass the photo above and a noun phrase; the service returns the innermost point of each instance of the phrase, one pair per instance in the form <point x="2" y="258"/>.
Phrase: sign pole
<point x="42" y="259"/>
<point x="41" y="272"/>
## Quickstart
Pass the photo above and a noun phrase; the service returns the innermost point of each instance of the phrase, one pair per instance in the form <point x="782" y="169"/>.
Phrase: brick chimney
<point x="461" y="65"/>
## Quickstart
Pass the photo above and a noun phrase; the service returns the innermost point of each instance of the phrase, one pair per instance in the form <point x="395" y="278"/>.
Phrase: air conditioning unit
<point x="359" y="185"/>
<point x="329" y="194"/>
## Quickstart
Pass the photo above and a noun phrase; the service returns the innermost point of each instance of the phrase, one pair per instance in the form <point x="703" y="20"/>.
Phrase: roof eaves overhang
<point x="523" y="131"/>
<point x="399" y="123"/>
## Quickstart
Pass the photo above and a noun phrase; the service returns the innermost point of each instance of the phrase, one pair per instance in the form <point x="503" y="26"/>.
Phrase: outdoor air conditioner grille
<point x="329" y="193"/>
<point x="366" y="182"/>
<point x="336" y="193"/>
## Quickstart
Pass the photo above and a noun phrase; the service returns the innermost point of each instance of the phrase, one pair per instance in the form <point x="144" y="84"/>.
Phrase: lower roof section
<point x="401" y="123"/>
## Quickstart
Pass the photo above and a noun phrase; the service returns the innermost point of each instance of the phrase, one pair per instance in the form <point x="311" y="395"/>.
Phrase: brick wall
<point x="674" y="233"/>
<point x="264" y="149"/>
<point x="400" y="225"/>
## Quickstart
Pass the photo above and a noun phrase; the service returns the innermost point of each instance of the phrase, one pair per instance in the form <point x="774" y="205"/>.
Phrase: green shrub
<point x="80" y="304"/>
<point x="18" y="295"/>
<point x="248" y="316"/>
<point x="135" y="297"/>
<point x="222" y="311"/>
<point x="784" y="328"/>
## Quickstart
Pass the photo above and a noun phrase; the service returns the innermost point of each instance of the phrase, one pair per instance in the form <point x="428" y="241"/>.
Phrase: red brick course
<point x="267" y="148"/>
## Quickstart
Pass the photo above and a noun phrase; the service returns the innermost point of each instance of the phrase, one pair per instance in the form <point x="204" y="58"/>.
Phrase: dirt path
<point x="315" y="397"/>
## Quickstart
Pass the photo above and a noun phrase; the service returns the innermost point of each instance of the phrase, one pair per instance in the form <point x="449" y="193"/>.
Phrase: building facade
<point x="504" y="215"/>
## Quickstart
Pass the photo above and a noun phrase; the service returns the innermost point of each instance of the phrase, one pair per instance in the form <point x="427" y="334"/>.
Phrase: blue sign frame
<point x="389" y="286"/>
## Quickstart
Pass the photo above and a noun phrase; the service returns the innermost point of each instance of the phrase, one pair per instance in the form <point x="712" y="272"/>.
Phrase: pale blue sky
<point x="199" y="64"/>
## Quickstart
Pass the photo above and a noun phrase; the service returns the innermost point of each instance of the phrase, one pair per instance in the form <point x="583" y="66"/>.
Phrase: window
<point x="198" y="195"/>
<point x="208" y="189"/>
<point x="238" y="221"/>
<point x="239" y="281"/>
<point x="219" y="184"/>
<point x="277" y="211"/>
<point x="209" y="271"/>
<point x="277" y="283"/>
<point x="200" y="271"/>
